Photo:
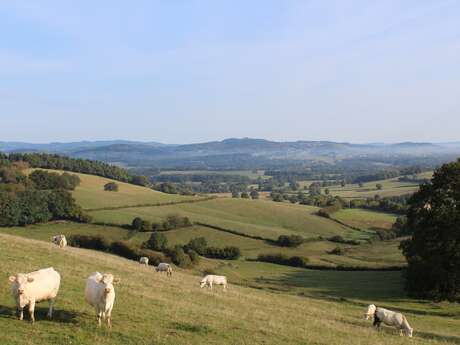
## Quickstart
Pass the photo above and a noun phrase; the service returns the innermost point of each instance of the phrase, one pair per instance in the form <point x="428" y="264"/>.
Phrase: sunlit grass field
<point x="365" y="219"/>
<point x="289" y="306"/>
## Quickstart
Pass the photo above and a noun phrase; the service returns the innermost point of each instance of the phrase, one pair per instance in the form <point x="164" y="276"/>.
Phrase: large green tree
<point x="433" y="252"/>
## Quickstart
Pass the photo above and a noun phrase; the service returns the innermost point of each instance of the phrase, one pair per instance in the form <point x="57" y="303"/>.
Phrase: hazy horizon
<point x="189" y="72"/>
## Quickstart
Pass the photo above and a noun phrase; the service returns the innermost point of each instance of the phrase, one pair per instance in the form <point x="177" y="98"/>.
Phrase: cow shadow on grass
<point x="61" y="316"/>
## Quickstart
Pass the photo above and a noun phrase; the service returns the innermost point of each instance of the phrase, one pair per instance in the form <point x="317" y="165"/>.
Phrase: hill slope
<point x="154" y="309"/>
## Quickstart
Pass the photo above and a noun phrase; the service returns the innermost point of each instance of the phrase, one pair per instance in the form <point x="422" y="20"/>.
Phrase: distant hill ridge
<point x="135" y="153"/>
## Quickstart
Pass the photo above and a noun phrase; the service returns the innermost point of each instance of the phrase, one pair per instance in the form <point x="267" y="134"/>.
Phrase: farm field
<point x="365" y="219"/>
<point x="90" y="193"/>
<point x="253" y="217"/>
<point x="298" y="305"/>
<point x="377" y="254"/>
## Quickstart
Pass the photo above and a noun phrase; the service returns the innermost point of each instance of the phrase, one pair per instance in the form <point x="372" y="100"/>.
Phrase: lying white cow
<point x="59" y="240"/>
<point x="100" y="293"/>
<point x="144" y="260"/>
<point x="164" y="267"/>
<point x="34" y="287"/>
<point x="389" y="318"/>
<point x="211" y="279"/>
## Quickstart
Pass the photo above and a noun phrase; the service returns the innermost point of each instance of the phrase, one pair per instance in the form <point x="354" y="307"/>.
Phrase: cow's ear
<point x="12" y="279"/>
<point x="99" y="279"/>
<point x="30" y="279"/>
<point x="116" y="280"/>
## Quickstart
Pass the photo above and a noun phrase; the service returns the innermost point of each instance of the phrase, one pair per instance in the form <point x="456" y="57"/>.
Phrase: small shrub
<point x="125" y="249"/>
<point x="157" y="241"/>
<point x="111" y="187"/>
<point x="179" y="257"/>
<point x="89" y="242"/>
<point x="337" y="251"/>
<point x="198" y="244"/>
<point x="289" y="241"/>
<point x="137" y="224"/>
<point x="194" y="256"/>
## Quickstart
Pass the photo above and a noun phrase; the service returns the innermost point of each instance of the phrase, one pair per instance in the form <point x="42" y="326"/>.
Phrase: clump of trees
<point x="111" y="187"/>
<point x="50" y="180"/>
<point x="40" y="198"/>
<point x="433" y="251"/>
<point x="329" y="210"/>
<point x="281" y="259"/>
<point x="170" y="223"/>
<point x="289" y="240"/>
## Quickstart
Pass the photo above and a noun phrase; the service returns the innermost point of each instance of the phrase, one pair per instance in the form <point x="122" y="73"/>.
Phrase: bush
<point x="89" y="242"/>
<point x="244" y="195"/>
<point x="137" y="224"/>
<point x="198" y="244"/>
<point x="337" y="251"/>
<point x="385" y="235"/>
<point x="146" y="226"/>
<point x="111" y="187"/>
<point x="340" y="239"/>
<point x="194" y="256"/>
<point x="125" y="249"/>
<point x="289" y="241"/>
<point x="154" y="257"/>
<point x="227" y="253"/>
<point x="157" y="241"/>
<point x="329" y="210"/>
<point x="179" y="257"/>
<point x="281" y="259"/>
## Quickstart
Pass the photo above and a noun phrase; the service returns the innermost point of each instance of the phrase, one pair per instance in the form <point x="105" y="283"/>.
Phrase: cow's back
<point x="45" y="284"/>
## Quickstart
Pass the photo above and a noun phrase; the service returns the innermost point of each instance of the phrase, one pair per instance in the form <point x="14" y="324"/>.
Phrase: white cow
<point x="164" y="267"/>
<point x="389" y="318"/>
<point x="34" y="287"/>
<point x="59" y="240"/>
<point x="211" y="279"/>
<point x="144" y="260"/>
<point x="100" y="293"/>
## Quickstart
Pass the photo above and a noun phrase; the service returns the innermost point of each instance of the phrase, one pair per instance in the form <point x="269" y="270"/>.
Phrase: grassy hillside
<point x="254" y="217"/>
<point x="90" y="194"/>
<point x="154" y="309"/>
<point x="365" y="219"/>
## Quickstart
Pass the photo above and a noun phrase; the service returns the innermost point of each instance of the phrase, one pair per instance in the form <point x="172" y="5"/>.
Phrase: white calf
<point x="100" y="293"/>
<point x="144" y="260"/>
<point x="34" y="287"/>
<point x="211" y="279"/>
<point x="389" y="318"/>
<point x="59" y="240"/>
<point x="164" y="267"/>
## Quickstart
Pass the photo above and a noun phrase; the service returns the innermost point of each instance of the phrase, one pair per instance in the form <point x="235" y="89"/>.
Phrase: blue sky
<point x="179" y="71"/>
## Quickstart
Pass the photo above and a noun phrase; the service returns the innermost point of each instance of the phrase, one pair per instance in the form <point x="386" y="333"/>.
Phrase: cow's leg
<point x="109" y="318"/>
<point x="50" y="310"/>
<point x="32" y="310"/>
<point x="98" y="317"/>
<point x="20" y="313"/>
<point x="210" y="285"/>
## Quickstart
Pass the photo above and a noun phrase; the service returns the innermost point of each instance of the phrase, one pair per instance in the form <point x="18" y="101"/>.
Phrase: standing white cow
<point x="212" y="279"/>
<point x="100" y="293"/>
<point x="144" y="260"/>
<point x="34" y="287"/>
<point x="59" y="240"/>
<point x="164" y="267"/>
<point x="389" y="318"/>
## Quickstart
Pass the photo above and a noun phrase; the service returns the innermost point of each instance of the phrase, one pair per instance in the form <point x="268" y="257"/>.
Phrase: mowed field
<point x="91" y="194"/>
<point x="365" y="219"/>
<point x="253" y="217"/>
<point x="317" y="308"/>
<point x="375" y="255"/>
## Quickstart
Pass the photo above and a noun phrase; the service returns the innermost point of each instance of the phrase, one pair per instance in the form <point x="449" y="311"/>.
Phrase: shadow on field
<point x="191" y="328"/>
<point x="341" y="284"/>
<point x="431" y="336"/>
<point x="61" y="316"/>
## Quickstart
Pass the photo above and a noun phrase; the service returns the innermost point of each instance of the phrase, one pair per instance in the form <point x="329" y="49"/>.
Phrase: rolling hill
<point x="151" y="307"/>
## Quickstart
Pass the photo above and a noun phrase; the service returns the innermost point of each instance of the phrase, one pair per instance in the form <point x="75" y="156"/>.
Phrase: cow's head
<point x="370" y="311"/>
<point x="19" y="287"/>
<point x="409" y="332"/>
<point x="202" y="283"/>
<point x="107" y="280"/>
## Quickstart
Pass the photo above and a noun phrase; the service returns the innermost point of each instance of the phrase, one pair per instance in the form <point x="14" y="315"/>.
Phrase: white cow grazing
<point x="100" y="293"/>
<point x="211" y="279"/>
<point x="59" y="240"/>
<point x="389" y="318"/>
<point x="164" y="267"/>
<point x="144" y="260"/>
<point x="34" y="287"/>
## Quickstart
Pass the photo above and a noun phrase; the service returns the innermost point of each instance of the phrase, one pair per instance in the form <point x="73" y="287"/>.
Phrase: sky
<point x="178" y="71"/>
